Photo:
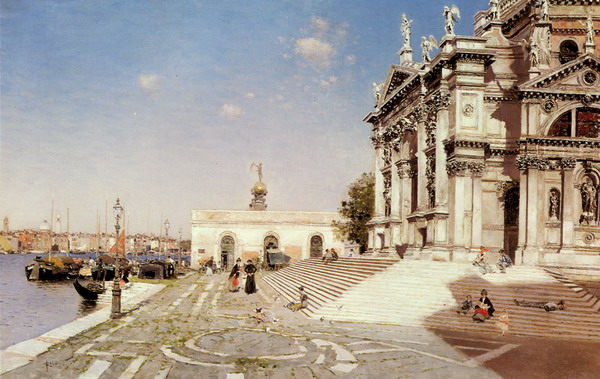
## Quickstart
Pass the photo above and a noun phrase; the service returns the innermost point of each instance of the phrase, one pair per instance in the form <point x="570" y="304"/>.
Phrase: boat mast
<point x="68" y="236"/>
<point x="105" y="224"/>
<point x="51" y="229"/>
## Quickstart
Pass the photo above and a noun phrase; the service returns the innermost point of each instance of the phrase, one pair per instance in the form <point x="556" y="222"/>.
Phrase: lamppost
<point x="167" y="225"/>
<point x="179" y="250"/>
<point x="116" y="299"/>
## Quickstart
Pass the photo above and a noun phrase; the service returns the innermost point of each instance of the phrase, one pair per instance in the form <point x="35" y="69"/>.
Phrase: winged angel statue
<point x="451" y="15"/>
<point x="426" y="46"/>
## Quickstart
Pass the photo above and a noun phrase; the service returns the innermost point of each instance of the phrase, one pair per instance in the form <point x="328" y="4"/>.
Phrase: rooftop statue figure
<point x="451" y="15"/>
<point x="406" y="25"/>
<point x="426" y="46"/>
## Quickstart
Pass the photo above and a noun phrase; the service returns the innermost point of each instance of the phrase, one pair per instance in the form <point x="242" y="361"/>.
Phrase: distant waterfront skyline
<point x="166" y="104"/>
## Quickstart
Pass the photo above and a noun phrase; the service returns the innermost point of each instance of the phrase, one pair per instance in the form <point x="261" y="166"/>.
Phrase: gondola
<point x="90" y="292"/>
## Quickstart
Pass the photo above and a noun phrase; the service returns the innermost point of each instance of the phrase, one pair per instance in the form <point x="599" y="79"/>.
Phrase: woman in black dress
<point x="485" y="300"/>
<point x="250" y="269"/>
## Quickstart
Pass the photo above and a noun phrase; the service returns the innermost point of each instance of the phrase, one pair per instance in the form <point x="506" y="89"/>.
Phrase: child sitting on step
<point x="465" y="306"/>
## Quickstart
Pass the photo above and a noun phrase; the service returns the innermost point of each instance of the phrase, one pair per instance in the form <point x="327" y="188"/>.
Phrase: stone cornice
<point x="539" y="162"/>
<point x="451" y="144"/>
<point x="561" y="142"/>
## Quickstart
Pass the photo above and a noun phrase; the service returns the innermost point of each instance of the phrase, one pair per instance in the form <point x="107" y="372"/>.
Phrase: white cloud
<point x="329" y="81"/>
<point x="149" y="83"/>
<point x="320" y="25"/>
<point x="351" y="59"/>
<point x="231" y="112"/>
<point x="281" y="39"/>
<point x="250" y="95"/>
<point x="314" y="51"/>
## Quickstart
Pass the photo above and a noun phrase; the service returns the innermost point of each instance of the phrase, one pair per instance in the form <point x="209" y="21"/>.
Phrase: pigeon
<point x="340" y="307"/>
<point x="331" y="322"/>
<point x="276" y="298"/>
<point x="322" y="318"/>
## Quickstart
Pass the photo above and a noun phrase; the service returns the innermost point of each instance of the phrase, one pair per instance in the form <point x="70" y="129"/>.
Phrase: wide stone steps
<point x="323" y="282"/>
<point x="427" y="294"/>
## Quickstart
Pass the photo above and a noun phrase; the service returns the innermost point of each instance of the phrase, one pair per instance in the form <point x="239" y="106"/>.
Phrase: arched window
<point x="568" y="51"/>
<point x="579" y="122"/>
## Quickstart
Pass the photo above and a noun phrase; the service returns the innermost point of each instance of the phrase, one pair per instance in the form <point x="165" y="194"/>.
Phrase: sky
<point x="165" y="104"/>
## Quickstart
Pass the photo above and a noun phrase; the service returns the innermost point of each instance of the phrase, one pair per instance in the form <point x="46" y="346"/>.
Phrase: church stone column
<point x="421" y="167"/>
<point x="567" y="203"/>
<point x="477" y="226"/>
<point x="379" y="186"/>
<point x="396" y="205"/>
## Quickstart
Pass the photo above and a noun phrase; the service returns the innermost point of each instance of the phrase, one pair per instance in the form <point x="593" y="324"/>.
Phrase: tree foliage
<point x="356" y="211"/>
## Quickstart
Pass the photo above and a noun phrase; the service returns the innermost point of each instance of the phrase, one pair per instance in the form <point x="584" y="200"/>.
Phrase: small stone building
<point x="495" y="140"/>
<point x="226" y="235"/>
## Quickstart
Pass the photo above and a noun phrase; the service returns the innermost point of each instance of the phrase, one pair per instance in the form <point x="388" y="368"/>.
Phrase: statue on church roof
<point x="493" y="13"/>
<point x="589" y="27"/>
<point x="426" y="46"/>
<point x="406" y="25"/>
<point x="377" y="89"/>
<point x="451" y="16"/>
<point x="544" y="10"/>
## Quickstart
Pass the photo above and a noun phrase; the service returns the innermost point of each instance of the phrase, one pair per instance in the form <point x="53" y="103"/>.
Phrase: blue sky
<point x="165" y="104"/>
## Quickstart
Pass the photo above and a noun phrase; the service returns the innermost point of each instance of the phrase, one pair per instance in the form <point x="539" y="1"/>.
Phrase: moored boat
<point x="55" y="267"/>
<point x="89" y="292"/>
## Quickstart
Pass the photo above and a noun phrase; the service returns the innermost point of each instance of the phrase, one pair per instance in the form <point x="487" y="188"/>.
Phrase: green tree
<point x="356" y="211"/>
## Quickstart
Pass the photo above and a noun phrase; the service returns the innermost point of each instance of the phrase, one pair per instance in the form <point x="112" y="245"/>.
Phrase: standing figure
<point x="406" y="25"/>
<point x="234" y="276"/>
<point x="534" y="55"/>
<point x="554" y="204"/>
<point x="588" y="196"/>
<point x="426" y="46"/>
<point x="502" y="322"/>
<point x="493" y="14"/>
<point x="544" y="10"/>
<point x="250" y="269"/>
<point x="589" y="27"/>
<point x="451" y="16"/>
<point x="377" y="88"/>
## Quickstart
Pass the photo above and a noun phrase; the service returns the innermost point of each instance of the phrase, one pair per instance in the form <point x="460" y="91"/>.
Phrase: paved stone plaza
<point x="196" y="328"/>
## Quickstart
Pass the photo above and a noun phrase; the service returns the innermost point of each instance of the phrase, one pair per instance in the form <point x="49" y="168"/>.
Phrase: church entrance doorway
<point x="316" y="247"/>
<point x="511" y="221"/>
<point x="227" y="251"/>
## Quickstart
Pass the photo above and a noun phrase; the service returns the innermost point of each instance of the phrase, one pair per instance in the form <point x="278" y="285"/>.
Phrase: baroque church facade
<point x="495" y="140"/>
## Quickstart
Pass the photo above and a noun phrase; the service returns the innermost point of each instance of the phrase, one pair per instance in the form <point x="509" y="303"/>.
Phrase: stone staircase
<point x="324" y="283"/>
<point x="427" y="294"/>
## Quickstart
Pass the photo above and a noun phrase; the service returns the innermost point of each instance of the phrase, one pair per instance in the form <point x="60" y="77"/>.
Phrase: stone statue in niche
<point x="589" y="197"/>
<point x="554" y="204"/>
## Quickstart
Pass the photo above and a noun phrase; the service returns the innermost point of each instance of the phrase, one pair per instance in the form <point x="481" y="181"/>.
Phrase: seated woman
<point x="487" y="302"/>
<point x="300" y="303"/>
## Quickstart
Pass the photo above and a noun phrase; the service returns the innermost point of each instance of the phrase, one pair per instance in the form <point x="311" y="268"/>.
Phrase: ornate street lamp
<point x="116" y="300"/>
<point x="179" y="250"/>
<point x="167" y="225"/>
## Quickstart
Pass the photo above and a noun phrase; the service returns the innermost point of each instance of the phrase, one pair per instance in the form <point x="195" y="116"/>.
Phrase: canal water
<point x="31" y="308"/>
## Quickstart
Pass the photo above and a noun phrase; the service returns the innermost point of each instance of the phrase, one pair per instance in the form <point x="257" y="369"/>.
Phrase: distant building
<point x="6" y="229"/>
<point x="226" y="235"/>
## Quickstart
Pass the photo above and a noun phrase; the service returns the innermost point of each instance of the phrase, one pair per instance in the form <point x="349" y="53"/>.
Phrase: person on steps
<point x="300" y="303"/>
<point x="504" y="262"/>
<point x="485" y="300"/>
<point x="465" y="306"/>
<point x="548" y="306"/>
<point x="480" y="262"/>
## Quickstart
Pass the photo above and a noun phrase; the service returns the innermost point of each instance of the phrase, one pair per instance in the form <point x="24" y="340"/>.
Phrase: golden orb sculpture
<point x="259" y="188"/>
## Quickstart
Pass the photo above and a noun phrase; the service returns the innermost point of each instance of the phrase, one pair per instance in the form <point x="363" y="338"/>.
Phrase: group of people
<point x="234" y="276"/>
<point x="503" y="263"/>
<point x="484" y="309"/>
<point x="330" y="255"/>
